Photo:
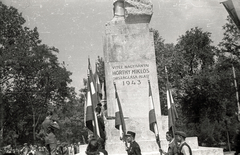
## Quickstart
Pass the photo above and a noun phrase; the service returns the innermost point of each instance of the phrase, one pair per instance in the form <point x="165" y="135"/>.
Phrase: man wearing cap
<point x="183" y="148"/>
<point x="134" y="148"/>
<point x="101" y="124"/>
<point x="172" y="148"/>
<point x="48" y="133"/>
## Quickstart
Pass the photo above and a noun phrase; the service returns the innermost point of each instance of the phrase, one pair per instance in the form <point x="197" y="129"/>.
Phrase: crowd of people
<point x="61" y="149"/>
<point x="96" y="145"/>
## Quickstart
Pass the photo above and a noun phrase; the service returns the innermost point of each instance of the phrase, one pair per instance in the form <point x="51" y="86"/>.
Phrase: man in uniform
<point x="101" y="124"/>
<point x="48" y="132"/>
<point x="183" y="148"/>
<point x="134" y="148"/>
<point x="172" y="148"/>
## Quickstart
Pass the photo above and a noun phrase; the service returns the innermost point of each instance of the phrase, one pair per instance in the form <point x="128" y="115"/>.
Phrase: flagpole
<point x="171" y="109"/>
<point x="93" y="113"/>
<point x="95" y="121"/>
<point x="120" y="109"/>
<point x="236" y="87"/>
<point x="170" y="97"/>
<point x="122" y="127"/>
<point x="97" y="82"/>
<point x="155" y="127"/>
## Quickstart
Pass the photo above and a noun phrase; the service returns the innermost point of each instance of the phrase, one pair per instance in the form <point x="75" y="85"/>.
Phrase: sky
<point x="76" y="27"/>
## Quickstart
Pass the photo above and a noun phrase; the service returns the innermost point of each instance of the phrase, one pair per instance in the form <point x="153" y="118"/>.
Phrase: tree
<point x="201" y="101"/>
<point x="196" y="49"/>
<point x="32" y="79"/>
<point x="229" y="56"/>
<point x="230" y="42"/>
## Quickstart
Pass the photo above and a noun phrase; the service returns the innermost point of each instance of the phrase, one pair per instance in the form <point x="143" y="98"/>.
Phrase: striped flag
<point x="233" y="9"/>
<point x="85" y="109"/>
<point x="103" y="92"/>
<point x="119" y="119"/>
<point x="152" y="116"/>
<point x="89" y="109"/>
<point x="172" y="112"/>
<point x="97" y="83"/>
<point x="91" y="116"/>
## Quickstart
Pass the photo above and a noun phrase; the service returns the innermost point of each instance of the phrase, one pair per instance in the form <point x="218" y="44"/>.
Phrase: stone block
<point x="208" y="151"/>
<point x="193" y="142"/>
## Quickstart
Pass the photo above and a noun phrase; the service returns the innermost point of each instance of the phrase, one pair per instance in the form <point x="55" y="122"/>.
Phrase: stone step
<point x="196" y="151"/>
<point x="148" y="145"/>
<point x="208" y="151"/>
<point x="229" y="153"/>
<point x="199" y="151"/>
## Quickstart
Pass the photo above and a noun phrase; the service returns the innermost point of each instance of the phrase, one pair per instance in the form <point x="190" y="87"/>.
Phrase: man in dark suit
<point x="134" y="148"/>
<point x="48" y="133"/>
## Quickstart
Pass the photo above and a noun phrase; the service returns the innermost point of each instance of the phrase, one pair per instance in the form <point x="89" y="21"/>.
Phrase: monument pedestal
<point x="146" y="140"/>
<point x="130" y="62"/>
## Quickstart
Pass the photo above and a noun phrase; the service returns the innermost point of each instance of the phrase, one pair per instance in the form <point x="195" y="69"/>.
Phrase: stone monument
<point x="130" y="62"/>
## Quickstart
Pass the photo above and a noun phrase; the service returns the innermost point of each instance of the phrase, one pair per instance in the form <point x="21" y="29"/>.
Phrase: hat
<point x="99" y="104"/>
<point x="181" y="133"/>
<point x="131" y="133"/>
<point x="94" y="142"/>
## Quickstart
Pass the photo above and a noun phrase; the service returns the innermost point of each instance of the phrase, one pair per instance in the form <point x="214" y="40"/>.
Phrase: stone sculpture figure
<point x="133" y="11"/>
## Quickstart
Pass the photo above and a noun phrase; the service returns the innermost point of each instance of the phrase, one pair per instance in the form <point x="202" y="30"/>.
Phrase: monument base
<point x="198" y="151"/>
<point x="146" y="139"/>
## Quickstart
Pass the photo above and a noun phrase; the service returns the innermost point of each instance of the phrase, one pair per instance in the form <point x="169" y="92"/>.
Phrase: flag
<point x="103" y="92"/>
<point x="152" y="118"/>
<point x="97" y="83"/>
<point x="89" y="109"/>
<point x="233" y="9"/>
<point x="91" y="116"/>
<point x="119" y="119"/>
<point x="152" y="115"/>
<point x="172" y="112"/>
<point x="85" y="109"/>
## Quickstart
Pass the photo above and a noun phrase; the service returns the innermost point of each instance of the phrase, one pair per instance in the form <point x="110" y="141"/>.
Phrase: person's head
<point x="169" y="136"/>
<point x="130" y="136"/>
<point x="180" y="136"/>
<point x="93" y="145"/>
<point x="98" y="108"/>
<point x="101" y="142"/>
<point x="105" y="106"/>
<point x="90" y="136"/>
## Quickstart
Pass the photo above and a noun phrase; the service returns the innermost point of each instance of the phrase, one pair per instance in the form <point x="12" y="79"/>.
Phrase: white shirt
<point x="185" y="150"/>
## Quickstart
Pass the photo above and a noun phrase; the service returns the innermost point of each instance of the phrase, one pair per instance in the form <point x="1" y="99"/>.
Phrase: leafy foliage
<point x="32" y="82"/>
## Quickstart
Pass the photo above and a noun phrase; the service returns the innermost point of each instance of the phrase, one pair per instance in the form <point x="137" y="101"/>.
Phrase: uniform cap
<point x="181" y="133"/>
<point x="131" y="133"/>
